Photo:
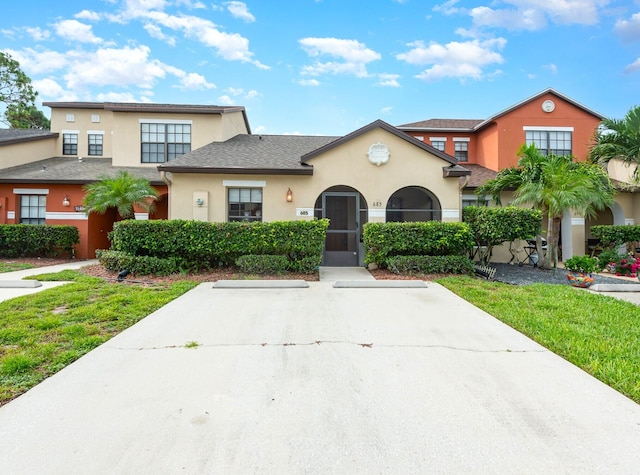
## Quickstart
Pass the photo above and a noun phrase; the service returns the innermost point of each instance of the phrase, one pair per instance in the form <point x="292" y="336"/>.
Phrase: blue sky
<point x="330" y="66"/>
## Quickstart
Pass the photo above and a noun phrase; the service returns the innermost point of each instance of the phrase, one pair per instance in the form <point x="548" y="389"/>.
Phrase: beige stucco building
<point x="207" y="165"/>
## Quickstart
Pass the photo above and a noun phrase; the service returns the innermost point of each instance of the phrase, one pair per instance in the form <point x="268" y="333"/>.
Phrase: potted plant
<point x="581" y="269"/>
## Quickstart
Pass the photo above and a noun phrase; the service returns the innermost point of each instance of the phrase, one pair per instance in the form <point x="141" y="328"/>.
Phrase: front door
<point x="343" y="236"/>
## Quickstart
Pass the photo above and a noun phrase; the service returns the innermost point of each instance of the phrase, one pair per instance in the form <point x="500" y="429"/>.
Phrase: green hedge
<point x="615" y="236"/>
<point x="263" y="264"/>
<point x="117" y="261"/>
<point x="430" y="265"/>
<point x="430" y="238"/>
<point x="203" y="245"/>
<point x="37" y="240"/>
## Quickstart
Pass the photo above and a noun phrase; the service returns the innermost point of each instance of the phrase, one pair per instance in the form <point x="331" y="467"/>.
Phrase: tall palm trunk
<point x="553" y="236"/>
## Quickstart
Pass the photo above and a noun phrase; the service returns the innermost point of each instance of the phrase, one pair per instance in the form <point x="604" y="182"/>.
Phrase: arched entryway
<point x="413" y="203"/>
<point x="347" y="211"/>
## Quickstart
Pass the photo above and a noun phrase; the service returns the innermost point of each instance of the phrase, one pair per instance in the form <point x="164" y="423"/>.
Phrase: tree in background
<point x="26" y="118"/>
<point x="16" y="92"/>
<point x="553" y="185"/>
<point x="618" y="139"/>
<point x="123" y="192"/>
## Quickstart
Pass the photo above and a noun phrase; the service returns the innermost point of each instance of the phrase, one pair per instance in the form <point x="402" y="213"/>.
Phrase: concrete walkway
<point x="320" y="380"/>
<point x="10" y="281"/>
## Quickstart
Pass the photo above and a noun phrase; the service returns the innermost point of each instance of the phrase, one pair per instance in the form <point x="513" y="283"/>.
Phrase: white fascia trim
<point x="547" y="128"/>
<point x="244" y="183"/>
<point x="95" y="132"/>
<point x="164" y="121"/>
<point x="462" y="139"/>
<point x="577" y="221"/>
<point x="69" y="131"/>
<point x="451" y="213"/>
<point x="66" y="216"/>
<point x="141" y="216"/>
<point x="31" y="191"/>
<point x="438" y="139"/>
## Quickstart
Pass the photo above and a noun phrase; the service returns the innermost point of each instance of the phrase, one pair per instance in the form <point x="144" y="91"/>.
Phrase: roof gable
<point x="388" y="128"/>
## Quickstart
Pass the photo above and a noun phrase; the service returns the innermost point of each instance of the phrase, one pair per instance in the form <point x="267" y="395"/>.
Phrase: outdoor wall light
<point x="65" y="201"/>
<point x="199" y="201"/>
<point x="289" y="195"/>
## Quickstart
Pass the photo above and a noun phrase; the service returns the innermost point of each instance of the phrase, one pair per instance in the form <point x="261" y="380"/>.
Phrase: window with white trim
<point x="33" y="209"/>
<point x="557" y="142"/>
<point x="164" y="142"/>
<point x="245" y="204"/>
<point x="461" y="150"/>
<point x="95" y="144"/>
<point x="69" y="144"/>
<point x="439" y="144"/>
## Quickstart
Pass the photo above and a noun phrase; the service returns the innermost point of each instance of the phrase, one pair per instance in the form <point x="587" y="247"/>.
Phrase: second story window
<point x="462" y="151"/>
<point x="163" y="142"/>
<point x="438" y="142"/>
<point x="95" y="144"/>
<point x="69" y="144"/>
<point x="557" y="142"/>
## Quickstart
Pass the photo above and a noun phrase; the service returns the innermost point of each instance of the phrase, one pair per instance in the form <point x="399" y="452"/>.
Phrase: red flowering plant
<point x="628" y="266"/>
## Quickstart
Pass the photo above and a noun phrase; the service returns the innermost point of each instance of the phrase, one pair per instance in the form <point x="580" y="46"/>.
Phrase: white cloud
<point x="87" y="15"/>
<point x="225" y="100"/>
<point x="50" y="89"/>
<point x="155" y="32"/>
<point x="240" y="10"/>
<point x="194" y="82"/>
<point x="456" y="59"/>
<point x="633" y="67"/>
<point x="252" y="94"/>
<point x="448" y="7"/>
<point x="353" y="56"/>
<point x="73" y="30"/>
<point x="386" y="110"/>
<point x="230" y="46"/>
<point x="534" y="15"/>
<point x="309" y="82"/>
<point x="39" y="62"/>
<point x="119" y="97"/>
<point x="388" y="80"/>
<point x="552" y="68"/>
<point x="38" y="34"/>
<point x="629" y="30"/>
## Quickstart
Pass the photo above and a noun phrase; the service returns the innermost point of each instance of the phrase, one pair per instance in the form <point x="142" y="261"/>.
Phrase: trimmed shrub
<point x="263" y="264"/>
<point x="430" y="265"/>
<point x="117" y="261"/>
<point x="430" y="238"/>
<point x="37" y="240"/>
<point x="615" y="236"/>
<point x="203" y="245"/>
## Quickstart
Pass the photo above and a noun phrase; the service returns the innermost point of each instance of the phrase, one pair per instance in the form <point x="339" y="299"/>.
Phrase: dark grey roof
<point x="71" y="171"/>
<point x="479" y="175"/>
<point x="9" y="136"/>
<point x="264" y="154"/>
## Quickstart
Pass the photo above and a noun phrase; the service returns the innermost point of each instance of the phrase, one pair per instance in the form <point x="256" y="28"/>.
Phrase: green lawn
<point x="42" y="333"/>
<point x="600" y="334"/>
<point x="13" y="266"/>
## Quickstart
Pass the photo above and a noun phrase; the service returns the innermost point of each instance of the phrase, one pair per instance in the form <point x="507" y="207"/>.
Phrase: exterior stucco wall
<point x="12" y="155"/>
<point x="346" y="165"/>
<point x="83" y="124"/>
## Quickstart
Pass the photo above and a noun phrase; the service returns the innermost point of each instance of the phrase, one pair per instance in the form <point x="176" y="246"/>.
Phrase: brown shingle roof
<point x="443" y="124"/>
<point x="266" y="154"/>
<point x="71" y="171"/>
<point x="479" y="175"/>
<point x="9" y="136"/>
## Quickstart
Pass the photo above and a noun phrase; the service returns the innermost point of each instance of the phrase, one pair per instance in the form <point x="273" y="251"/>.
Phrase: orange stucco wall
<point x="93" y="229"/>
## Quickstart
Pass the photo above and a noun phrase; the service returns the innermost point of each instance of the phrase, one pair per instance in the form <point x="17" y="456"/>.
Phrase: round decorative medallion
<point x="378" y="154"/>
<point x="548" y="106"/>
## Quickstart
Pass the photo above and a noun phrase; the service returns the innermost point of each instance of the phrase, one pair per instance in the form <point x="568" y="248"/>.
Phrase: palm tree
<point x="123" y="192"/>
<point x="618" y="139"/>
<point x="553" y="185"/>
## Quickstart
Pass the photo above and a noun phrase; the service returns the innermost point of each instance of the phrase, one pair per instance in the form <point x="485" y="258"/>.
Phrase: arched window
<point x="413" y="203"/>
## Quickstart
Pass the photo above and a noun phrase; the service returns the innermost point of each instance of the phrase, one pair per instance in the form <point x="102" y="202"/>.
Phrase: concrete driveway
<point x="320" y="380"/>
